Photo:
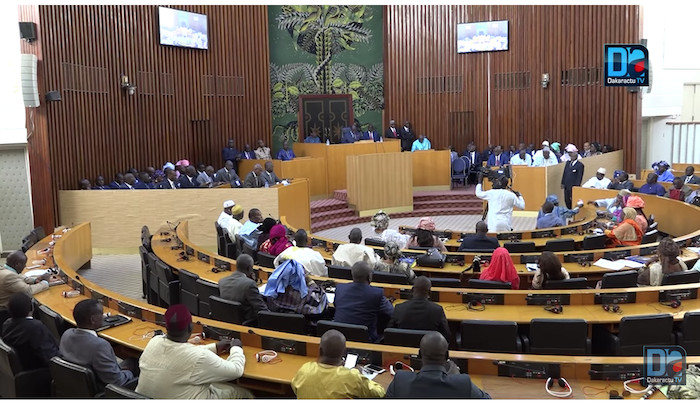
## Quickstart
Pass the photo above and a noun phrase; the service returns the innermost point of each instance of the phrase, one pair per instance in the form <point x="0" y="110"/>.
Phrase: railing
<point x="685" y="142"/>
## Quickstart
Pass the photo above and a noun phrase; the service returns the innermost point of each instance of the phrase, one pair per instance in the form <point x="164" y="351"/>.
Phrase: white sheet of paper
<point x="350" y="361"/>
<point x="531" y="266"/>
<point x="632" y="264"/>
<point x="330" y="296"/>
<point x="35" y="273"/>
<point x="262" y="288"/>
<point x="694" y="249"/>
<point x="369" y="375"/>
<point x="617" y="264"/>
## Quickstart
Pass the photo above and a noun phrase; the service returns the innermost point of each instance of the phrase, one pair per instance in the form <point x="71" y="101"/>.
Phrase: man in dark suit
<point x="573" y="174"/>
<point x="229" y="153"/>
<point x="358" y="303"/>
<point x="118" y="182"/>
<point x="347" y="136"/>
<point x="408" y="136"/>
<point x="371" y="134"/>
<point x="438" y="377"/>
<point x="241" y="287"/>
<point x="392" y="132"/>
<point x="487" y="153"/>
<point x="690" y="178"/>
<point x="254" y="178"/>
<point x="419" y="313"/>
<point x="82" y="346"/>
<point x="170" y="181"/>
<point x="498" y="158"/>
<point x="30" y="338"/>
<point x="144" y="182"/>
<point x="187" y="181"/>
<point x="228" y="175"/>
<point x="479" y="242"/>
<point x="475" y="161"/>
<point x="269" y="175"/>
<point x="247" y="153"/>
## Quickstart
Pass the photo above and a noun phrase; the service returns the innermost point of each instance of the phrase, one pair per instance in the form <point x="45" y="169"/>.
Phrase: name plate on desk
<point x="483" y="298"/>
<point x="315" y="242"/>
<point x="215" y="333"/>
<point x="189" y="250"/>
<point x="616" y="298"/>
<point x="649" y="250"/>
<point x="283" y="345"/>
<point x="548" y="299"/>
<point x="226" y="266"/>
<point x="130" y="310"/>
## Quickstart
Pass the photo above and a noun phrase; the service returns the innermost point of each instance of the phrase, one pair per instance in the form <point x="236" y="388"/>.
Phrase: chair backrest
<point x="559" y="337"/>
<point x="691" y="332"/>
<point x="650" y="237"/>
<point x="644" y="330"/>
<point x="488" y="284"/>
<point x="266" y="260"/>
<point x="446" y="282"/>
<point x="652" y="225"/>
<point x="490" y="335"/>
<point x="459" y="166"/>
<point x="282" y="322"/>
<point x="403" y="337"/>
<point x="520" y="247"/>
<point x="146" y="238"/>
<point x="168" y="286"/>
<point x="71" y="380"/>
<point x="374" y="242"/>
<point x="205" y="289"/>
<point x="30" y="240"/>
<point x="39" y="232"/>
<point x="622" y="279"/>
<point x="352" y="332"/>
<point x="250" y="251"/>
<point x="560" y="245"/>
<point x="225" y="310"/>
<point x="389" y="278"/>
<point x="681" y="277"/>
<point x="335" y="271"/>
<point x="188" y="291"/>
<point x="578" y="283"/>
<point x="119" y="392"/>
<point x="53" y="321"/>
<point x="220" y="240"/>
<point x="9" y="367"/>
<point x="594" y="242"/>
<point x="143" y="252"/>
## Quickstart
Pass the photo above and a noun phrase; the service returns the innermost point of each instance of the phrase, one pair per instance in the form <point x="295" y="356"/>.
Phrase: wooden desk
<point x="314" y="169"/>
<point x="432" y="170"/>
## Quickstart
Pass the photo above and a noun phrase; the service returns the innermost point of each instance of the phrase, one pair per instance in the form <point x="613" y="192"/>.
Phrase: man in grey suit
<point x="228" y="175"/>
<point x="82" y="346"/>
<point x="270" y="175"/>
<point x="240" y="286"/>
<point x="254" y="178"/>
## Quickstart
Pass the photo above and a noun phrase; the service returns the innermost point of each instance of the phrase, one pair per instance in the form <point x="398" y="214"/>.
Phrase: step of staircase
<point x="336" y="222"/>
<point x="438" y="204"/>
<point x="341" y="195"/>
<point x="440" y="211"/>
<point x="424" y="196"/>
<point x="318" y="206"/>
<point x="329" y="214"/>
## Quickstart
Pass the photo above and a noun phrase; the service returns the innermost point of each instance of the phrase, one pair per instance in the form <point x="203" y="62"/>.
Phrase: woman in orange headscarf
<point x="627" y="232"/>
<point x="501" y="269"/>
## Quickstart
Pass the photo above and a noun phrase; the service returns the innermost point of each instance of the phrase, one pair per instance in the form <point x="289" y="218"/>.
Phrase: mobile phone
<point x="373" y="368"/>
<point x="350" y="361"/>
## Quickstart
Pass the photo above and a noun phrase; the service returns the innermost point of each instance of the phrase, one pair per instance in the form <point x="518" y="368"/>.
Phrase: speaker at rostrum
<point x="30" y="89"/>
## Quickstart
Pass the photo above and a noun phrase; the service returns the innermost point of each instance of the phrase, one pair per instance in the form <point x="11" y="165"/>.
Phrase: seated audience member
<point x="228" y="175"/>
<point x="347" y="136"/>
<point x="100" y="184"/>
<point x="234" y="225"/>
<point x="479" y="241"/>
<point x="262" y="152"/>
<point x="269" y="175"/>
<point x="548" y="219"/>
<point x="498" y="158"/>
<point x="359" y="303"/>
<point x="118" y="182"/>
<point x="313" y="136"/>
<point x="170" y="181"/>
<point x="265" y="228"/>
<point x="144" y="181"/>
<point x="475" y="162"/>
<point x="665" y="262"/>
<point x="172" y="368"/>
<point x="501" y="269"/>
<point x="424" y="236"/>
<point x="311" y="260"/>
<point x="254" y="178"/>
<point x="240" y="286"/>
<point x="290" y="289"/>
<point x="371" y="134"/>
<point x="84" y="184"/>
<point x="545" y="159"/>
<point x="249" y="232"/>
<point x="421" y="144"/>
<point x="353" y="252"/>
<point x="437" y="378"/>
<point x="613" y="205"/>
<point x="187" y="181"/>
<point x="625" y="233"/>
<point x="207" y="178"/>
<point x="652" y="187"/>
<point x="225" y="216"/>
<point x="31" y="339"/>
<point x="679" y="190"/>
<point x="595" y="149"/>
<point x="556" y="149"/>
<point x="129" y="181"/>
<point x="599" y="181"/>
<point x="570" y="148"/>
<point x="637" y="203"/>
<point x="521" y="158"/>
<point x="380" y="222"/>
<point x="11" y="282"/>
<point x="247" y="153"/>
<point x="329" y="379"/>
<point x="393" y="262"/>
<point x="621" y="182"/>
<point x="690" y="178"/>
<point x="560" y="211"/>
<point x="285" y="154"/>
<point x="545" y="144"/>
<point x="662" y="169"/>
<point x="277" y="241"/>
<point x="180" y="167"/>
<point x="419" y="313"/>
<point x="549" y="268"/>
<point x="158" y="177"/>
<point x="82" y="346"/>
<point x="586" y="151"/>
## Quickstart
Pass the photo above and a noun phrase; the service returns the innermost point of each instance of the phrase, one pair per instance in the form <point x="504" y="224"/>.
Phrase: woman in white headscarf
<point x="380" y="222"/>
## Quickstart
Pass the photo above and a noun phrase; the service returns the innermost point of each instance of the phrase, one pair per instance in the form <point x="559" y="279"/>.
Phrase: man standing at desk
<point x="371" y="134"/>
<point x="573" y="173"/>
<point x="392" y="132"/>
<point x="501" y="202"/>
<point x="407" y="136"/>
<point x="229" y="153"/>
<point x="285" y="154"/>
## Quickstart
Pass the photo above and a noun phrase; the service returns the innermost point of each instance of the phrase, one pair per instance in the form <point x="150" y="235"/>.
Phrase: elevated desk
<point x="314" y="169"/>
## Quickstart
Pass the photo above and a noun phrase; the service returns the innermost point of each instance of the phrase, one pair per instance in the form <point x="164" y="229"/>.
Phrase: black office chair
<point x="266" y="260"/>
<point x="622" y="279"/>
<point x="594" y="242"/>
<point x="146" y="238"/>
<point x="558" y="337"/>
<point x="688" y="333"/>
<point x="403" y="337"/>
<point x="188" y="291"/>
<point x="282" y="322"/>
<point x="560" y="245"/>
<point x="389" y="278"/>
<point x="15" y="382"/>
<point x="205" y="290"/>
<point x="578" y="283"/>
<point x="72" y="380"/>
<point x="220" y="241"/>
<point x="343" y="272"/>
<point x="635" y="333"/>
<point x="53" y="321"/>
<point x="357" y="333"/>
<point x="143" y="252"/>
<point x="225" y="310"/>
<point x="39" y="232"/>
<point x="488" y="284"/>
<point x="30" y="240"/>
<point x="374" y="242"/>
<point x="168" y="285"/>
<point x="490" y="335"/>
<point x="153" y="298"/>
<point x="652" y="224"/>
<point x="120" y="392"/>
<point x="446" y="282"/>
<point x="650" y="237"/>
<point x="231" y="249"/>
<point x="250" y="252"/>
<point x="681" y="277"/>
<point x="520" y="247"/>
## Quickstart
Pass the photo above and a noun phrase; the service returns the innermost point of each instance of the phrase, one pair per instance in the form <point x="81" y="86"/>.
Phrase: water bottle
<point x="328" y="142"/>
<point x="267" y="184"/>
<point x="70" y="294"/>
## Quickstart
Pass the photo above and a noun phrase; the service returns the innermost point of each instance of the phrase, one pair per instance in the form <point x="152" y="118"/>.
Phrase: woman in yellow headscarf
<point x="625" y="233"/>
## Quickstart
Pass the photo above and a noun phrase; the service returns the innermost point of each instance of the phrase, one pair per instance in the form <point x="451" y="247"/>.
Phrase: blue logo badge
<point x="626" y="66"/>
<point x="664" y="365"/>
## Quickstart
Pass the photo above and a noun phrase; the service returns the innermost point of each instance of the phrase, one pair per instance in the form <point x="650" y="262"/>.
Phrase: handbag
<point x="431" y="258"/>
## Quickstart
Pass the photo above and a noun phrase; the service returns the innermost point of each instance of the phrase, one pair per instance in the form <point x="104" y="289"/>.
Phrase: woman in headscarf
<point x="637" y="203"/>
<point x="501" y="269"/>
<point x="666" y="262"/>
<point x="424" y="236"/>
<point x="290" y="290"/>
<point x="393" y="263"/>
<point x="380" y="222"/>
<point x="625" y="233"/>
<point x="265" y="228"/>
<point x="277" y="242"/>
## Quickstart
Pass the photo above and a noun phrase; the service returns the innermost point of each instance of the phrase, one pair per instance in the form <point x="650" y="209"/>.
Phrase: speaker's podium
<point x="372" y="186"/>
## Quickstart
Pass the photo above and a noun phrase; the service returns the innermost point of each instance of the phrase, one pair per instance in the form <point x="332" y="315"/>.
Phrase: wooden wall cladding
<point x="188" y="102"/>
<point x="496" y="97"/>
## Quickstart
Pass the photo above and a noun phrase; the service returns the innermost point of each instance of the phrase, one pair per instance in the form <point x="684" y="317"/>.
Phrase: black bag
<point x="695" y="201"/>
<point x="431" y="258"/>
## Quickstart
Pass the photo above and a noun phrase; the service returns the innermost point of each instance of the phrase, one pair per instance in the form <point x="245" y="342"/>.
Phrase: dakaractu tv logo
<point x="626" y="65"/>
<point x="664" y="365"/>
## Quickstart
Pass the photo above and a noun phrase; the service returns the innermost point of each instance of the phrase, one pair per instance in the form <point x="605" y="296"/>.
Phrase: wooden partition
<point x="246" y="166"/>
<point x="294" y="203"/>
<point x="531" y="182"/>
<point x="370" y="190"/>
<point x="302" y="167"/>
<point x="431" y="170"/>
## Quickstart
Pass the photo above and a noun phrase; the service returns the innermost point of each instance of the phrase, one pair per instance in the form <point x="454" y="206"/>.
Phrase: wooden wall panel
<point x="421" y="42"/>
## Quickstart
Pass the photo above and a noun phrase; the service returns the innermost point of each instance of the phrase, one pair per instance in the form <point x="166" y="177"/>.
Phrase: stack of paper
<point x="617" y="264"/>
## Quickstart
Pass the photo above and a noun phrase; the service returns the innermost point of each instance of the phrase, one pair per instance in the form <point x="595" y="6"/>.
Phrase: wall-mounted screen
<point x="487" y="36"/>
<point x="182" y="28"/>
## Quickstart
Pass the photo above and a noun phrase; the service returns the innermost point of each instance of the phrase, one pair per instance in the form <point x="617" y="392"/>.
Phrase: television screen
<point x="487" y="36"/>
<point x="182" y="28"/>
